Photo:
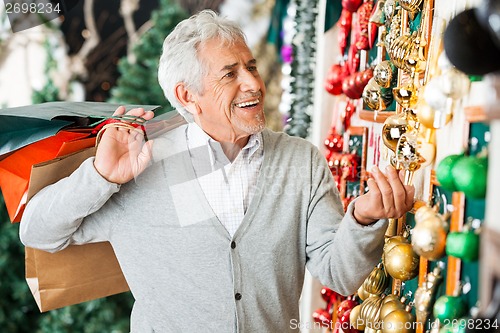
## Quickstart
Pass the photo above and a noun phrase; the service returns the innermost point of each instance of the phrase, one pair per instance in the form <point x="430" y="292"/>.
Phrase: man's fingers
<point x="385" y="189"/>
<point x="119" y="111"/>
<point x="398" y="190"/>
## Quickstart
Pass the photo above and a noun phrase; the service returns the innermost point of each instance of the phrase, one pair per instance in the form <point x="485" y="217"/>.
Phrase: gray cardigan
<point x="185" y="271"/>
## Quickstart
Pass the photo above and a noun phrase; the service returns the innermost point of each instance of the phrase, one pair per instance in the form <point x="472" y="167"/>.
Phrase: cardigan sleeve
<point x="341" y="253"/>
<point x="69" y="211"/>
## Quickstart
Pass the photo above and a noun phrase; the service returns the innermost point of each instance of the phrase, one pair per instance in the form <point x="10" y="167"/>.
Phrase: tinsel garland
<point x="302" y="69"/>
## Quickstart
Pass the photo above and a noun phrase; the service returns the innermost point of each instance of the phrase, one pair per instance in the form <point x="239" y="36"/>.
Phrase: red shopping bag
<point x="15" y="169"/>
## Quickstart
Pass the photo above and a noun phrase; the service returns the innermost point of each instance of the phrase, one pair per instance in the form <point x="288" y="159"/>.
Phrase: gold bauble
<point x="399" y="321"/>
<point x="362" y="293"/>
<point x="426" y="150"/>
<point x="384" y="73"/>
<point x="429" y="238"/>
<point x="423" y="213"/>
<point x="377" y="281"/>
<point x="427" y="115"/>
<point x="370" y="311"/>
<point x="354" y="319"/>
<point x="374" y="97"/>
<point x="406" y="96"/>
<point x="388" y="307"/>
<point x="394" y="127"/>
<point x="401" y="262"/>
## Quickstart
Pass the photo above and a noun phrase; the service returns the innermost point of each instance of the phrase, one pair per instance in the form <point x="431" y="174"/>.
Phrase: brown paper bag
<point x="78" y="273"/>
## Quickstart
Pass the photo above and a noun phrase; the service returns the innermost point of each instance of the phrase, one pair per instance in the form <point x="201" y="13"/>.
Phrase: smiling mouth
<point x="248" y="104"/>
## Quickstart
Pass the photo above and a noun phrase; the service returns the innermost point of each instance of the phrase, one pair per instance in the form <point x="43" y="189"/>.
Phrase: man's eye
<point x="252" y="68"/>
<point x="229" y="75"/>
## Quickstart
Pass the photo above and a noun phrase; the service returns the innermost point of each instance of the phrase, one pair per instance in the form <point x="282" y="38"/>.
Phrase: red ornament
<point x="364" y="13"/>
<point x="372" y="34"/>
<point x="349" y="87"/>
<point x="349" y="164"/>
<point x="351" y="5"/>
<point x="344" y="322"/>
<point x="322" y="316"/>
<point x="344" y="23"/>
<point x="334" y="142"/>
<point x="334" y="78"/>
<point x="345" y="305"/>
<point x="350" y="109"/>
<point x="353" y="60"/>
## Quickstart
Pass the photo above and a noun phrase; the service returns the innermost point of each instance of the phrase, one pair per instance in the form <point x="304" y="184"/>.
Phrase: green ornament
<point x="449" y="307"/>
<point x="463" y="245"/>
<point x="443" y="171"/>
<point x="470" y="176"/>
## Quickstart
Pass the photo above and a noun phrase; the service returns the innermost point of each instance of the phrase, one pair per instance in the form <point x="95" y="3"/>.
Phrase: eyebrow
<point x="231" y="66"/>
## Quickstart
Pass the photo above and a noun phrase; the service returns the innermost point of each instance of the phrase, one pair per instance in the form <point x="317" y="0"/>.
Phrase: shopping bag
<point x="21" y="126"/>
<point x="78" y="273"/>
<point x="16" y="168"/>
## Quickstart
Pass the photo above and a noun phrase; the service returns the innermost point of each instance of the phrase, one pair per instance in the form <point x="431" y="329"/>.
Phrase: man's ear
<point x="186" y="98"/>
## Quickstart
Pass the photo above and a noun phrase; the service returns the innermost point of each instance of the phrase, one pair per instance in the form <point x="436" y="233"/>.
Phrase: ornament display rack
<point x="461" y="208"/>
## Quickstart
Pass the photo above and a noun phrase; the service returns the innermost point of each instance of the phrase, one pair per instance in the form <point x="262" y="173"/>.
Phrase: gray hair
<point x="180" y="61"/>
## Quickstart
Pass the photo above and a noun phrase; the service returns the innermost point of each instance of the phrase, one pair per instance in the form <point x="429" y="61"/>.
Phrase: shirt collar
<point x="197" y="138"/>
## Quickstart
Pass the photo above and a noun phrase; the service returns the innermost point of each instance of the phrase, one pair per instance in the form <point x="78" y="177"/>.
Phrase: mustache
<point x="257" y="94"/>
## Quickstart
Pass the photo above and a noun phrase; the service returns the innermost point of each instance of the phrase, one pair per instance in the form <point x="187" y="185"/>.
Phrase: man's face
<point x="231" y="104"/>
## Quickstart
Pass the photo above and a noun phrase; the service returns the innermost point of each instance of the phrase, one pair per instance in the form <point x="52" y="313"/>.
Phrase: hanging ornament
<point x="470" y="175"/>
<point x="344" y="315"/>
<point x="425" y="295"/>
<point x="370" y="311"/>
<point x="354" y="319"/>
<point x="323" y="315"/>
<point x="463" y="244"/>
<point x="363" y="16"/>
<point x="377" y="281"/>
<point x="334" y="78"/>
<point x="384" y="74"/>
<point x="400" y="261"/>
<point x="375" y="97"/>
<point x="428" y="116"/>
<point x="429" y="235"/>
<point x="350" y="165"/>
<point x="394" y="127"/>
<point x="399" y="321"/>
<point x="353" y="60"/>
<point x="395" y="26"/>
<point x="448" y="308"/>
<point x="362" y="293"/>
<point x="443" y="172"/>
<point x="406" y="95"/>
<point x="390" y="304"/>
<point x="351" y="5"/>
<point x="344" y="31"/>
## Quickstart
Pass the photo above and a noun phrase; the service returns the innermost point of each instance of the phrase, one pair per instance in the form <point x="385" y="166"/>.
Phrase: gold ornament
<point x="362" y="293"/>
<point x="354" y="318"/>
<point x="412" y="6"/>
<point x="394" y="127"/>
<point x="401" y="262"/>
<point x="389" y="306"/>
<point x="429" y="235"/>
<point x="384" y="73"/>
<point x="395" y="27"/>
<point x="399" y="321"/>
<point x="406" y="95"/>
<point x="389" y="9"/>
<point x="425" y="295"/>
<point x="375" y="97"/>
<point x="377" y="281"/>
<point x="370" y="311"/>
<point x="429" y="117"/>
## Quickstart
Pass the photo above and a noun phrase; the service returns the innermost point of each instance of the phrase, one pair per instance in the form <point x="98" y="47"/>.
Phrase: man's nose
<point x="249" y="82"/>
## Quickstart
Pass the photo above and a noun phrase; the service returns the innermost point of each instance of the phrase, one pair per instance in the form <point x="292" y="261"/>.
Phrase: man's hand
<point x="122" y="153"/>
<point x="388" y="197"/>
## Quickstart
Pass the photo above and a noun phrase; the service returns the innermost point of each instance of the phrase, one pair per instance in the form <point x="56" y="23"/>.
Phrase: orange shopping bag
<point x="15" y="169"/>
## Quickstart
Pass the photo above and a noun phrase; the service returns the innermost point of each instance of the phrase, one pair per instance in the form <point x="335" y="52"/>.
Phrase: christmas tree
<point x="138" y="83"/>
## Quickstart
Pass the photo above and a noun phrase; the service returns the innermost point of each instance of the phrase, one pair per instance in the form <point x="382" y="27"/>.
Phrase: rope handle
<point x="132" y="123"/>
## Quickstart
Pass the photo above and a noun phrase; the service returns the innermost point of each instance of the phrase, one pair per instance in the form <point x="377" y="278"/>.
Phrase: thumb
<point x="144" y="157"/>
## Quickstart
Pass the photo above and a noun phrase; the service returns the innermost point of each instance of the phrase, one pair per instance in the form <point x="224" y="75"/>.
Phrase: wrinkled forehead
<point x="217" y="52"/>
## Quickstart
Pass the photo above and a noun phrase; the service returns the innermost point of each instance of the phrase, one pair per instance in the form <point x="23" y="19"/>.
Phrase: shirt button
<point x="233" y="245"/>
<point x="237" y="296"/>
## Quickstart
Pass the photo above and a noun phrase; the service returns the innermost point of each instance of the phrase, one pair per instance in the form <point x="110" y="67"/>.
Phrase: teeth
<point x="240" y="105"/>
